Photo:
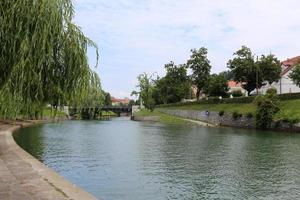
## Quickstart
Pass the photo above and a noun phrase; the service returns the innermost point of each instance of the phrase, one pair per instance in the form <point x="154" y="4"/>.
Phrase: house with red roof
<point x="119" y="102"/>
<point x="235" y="86"/>
<point x="285" y="83"/>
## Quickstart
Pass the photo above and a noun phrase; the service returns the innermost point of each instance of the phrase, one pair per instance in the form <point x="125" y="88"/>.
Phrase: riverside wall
<point x="24" y="177"/>
<point x="213" y="118"/>
<point x="227" y="120"/>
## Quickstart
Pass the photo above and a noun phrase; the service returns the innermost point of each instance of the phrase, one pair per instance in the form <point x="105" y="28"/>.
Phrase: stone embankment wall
<point x="213" y="118"/>
<point x="227" y="120"/>
<point x="145" y="118"/>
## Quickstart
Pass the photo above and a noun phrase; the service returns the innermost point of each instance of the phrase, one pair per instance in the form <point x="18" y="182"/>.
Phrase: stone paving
<point x="23" y="177"/>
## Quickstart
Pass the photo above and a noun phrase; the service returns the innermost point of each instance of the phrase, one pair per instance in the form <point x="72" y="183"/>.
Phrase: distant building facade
<point x="120" y="102"/>
<point x="285" y="83"/>
<point x="236" y="86"/>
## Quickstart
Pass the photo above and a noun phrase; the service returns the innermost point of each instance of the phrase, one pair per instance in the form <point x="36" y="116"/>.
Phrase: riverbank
<point x="158" y="116"/>
<point x="289" y="109"/>
<point x="24" y="177"/>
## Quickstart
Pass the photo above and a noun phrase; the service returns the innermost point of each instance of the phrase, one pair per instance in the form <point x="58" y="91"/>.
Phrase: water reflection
<point x="122" y="159"/>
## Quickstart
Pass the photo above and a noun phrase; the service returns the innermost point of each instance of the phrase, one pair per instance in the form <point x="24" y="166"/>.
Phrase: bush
<point x="237" y="93"/>
<point x="221" y="113"/>
<point x="267" y="107"/>
<point x="249" y="115"/>
<point x="272" y="91"/>
<point x="236" y="115"/>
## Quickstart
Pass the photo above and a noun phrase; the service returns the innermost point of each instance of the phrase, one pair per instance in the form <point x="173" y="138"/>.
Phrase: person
<point x="207" y="113"/>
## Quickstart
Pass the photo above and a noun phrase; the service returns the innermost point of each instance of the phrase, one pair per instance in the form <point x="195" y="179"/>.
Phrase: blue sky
<point x="136" y="36"/>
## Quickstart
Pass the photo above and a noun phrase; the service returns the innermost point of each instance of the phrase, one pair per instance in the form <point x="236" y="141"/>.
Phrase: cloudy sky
<point x="136" y="36"/>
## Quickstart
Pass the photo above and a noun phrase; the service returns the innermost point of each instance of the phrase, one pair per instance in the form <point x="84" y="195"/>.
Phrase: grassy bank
<point x="163" y="118"/>
<point x="289" y="109"/>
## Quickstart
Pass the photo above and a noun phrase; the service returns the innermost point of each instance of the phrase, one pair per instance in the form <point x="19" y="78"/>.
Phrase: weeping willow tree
<point x="43" y="56"/>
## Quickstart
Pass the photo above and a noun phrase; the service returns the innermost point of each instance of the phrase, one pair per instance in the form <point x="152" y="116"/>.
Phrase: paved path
<point x="23" y="177"/>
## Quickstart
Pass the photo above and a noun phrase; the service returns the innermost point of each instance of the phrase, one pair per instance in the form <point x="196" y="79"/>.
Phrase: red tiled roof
<point x="125" y="101"/>
<point x="289" y="64"/>
<point x="233" y="84"/>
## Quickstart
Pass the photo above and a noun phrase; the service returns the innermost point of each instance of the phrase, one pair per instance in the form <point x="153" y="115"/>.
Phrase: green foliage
<point x="228" y="75"/>
<point x="174" y="86"/>
<point x="217" y="86"/>
<point x="221" y="113"/>
<point x="251" y="73"/>
<point x="267" y="107"/>
<point x="295" y="74"/>
<point x="42" y="56"/>
<point x="249" y="115"/>
<point x="236" y="115"/>
<point x="93" y="95"/>
<point x="237" y="93"/>
<point x="146" y="88"/>
<point x="107" y="99"/>
<point x="244" y="68"/>
<point x="270" y="68"/>
<point x="200" y="66"/>
<point x="271" y="91"/>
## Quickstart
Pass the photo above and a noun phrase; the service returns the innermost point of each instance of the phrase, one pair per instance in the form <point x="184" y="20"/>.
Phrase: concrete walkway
<point x="23" y="177"/>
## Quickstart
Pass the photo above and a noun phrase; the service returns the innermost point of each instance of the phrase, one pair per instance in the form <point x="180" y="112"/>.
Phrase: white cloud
<point x="136" y="36"/>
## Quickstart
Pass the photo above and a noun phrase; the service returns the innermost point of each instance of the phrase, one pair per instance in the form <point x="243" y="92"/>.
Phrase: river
<point x="121" y="159"/>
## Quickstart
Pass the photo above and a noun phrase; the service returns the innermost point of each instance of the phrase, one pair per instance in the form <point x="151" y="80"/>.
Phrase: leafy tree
<point x="245" y="70"/>
<point x="42" y="56"/>
<point x="174" y="86"/>
<point x="270" y="68"/>
<point x="228" y="75"/>
<point x="145" y="92"/>
<point x="131" y="103"/>
<point x="217" y="86"/>
<point x="107" y="99"/>
<point x="295" y="74"/>
<point x="200" y="66"/>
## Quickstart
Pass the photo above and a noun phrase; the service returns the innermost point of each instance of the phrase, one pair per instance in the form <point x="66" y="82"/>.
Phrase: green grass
<point x="242" y="108"/>
<point x="49" y="112"/>
<point x="289" y="109"/>
<point x="108" y="114"/>
<point x="163" y="118"/>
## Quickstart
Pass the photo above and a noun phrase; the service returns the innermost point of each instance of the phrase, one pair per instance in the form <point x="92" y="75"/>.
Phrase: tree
<point x="295" y="74"/>
<point x="174" y="86"/>
<point x="245" y="69"/>
<point x="228" y="75"/>
<point x="217" y="86"/>
<point x="42" y="56"/>
<point x="200" y="66"/>
<point x="145" y="86"/>
<point x="270" y="68"/>
<point x="107" y="99"/>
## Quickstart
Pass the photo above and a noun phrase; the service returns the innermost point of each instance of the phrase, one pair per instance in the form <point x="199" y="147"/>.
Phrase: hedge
<point x="217" y="100"/>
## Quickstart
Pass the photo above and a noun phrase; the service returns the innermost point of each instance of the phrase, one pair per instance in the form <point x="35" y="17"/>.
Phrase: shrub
<point x="249" y="115"/>
<point x="236" y="115"/>
<point x="272" y="91"/>
<point x="221" y="113"/>
<point x="267" y="107"/>
<point x="237" y="93"/>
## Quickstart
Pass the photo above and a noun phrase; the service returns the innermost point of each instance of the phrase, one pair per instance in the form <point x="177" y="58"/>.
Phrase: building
<point x="120" y="102"/>
<point x="285" y="83"/>
<point x="235" y="86"/>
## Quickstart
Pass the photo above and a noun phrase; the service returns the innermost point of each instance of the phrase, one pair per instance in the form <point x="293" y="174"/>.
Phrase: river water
<point x="121" y="159"/>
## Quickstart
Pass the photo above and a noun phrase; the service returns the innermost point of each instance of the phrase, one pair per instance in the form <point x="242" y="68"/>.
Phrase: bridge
<point x="96" y="112"/>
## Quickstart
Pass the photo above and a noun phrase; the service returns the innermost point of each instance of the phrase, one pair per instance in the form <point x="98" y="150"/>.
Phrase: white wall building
<point x="285" y="83"/>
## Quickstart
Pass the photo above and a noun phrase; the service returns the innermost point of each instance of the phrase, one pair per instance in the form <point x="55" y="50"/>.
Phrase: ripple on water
<point x="121" y="159"/>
